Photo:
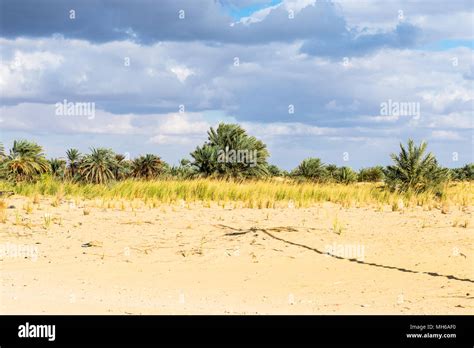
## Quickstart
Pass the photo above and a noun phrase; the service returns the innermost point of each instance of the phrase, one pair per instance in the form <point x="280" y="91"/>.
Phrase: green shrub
<point x="414" y="171"/>
<point x="372" y="174"/>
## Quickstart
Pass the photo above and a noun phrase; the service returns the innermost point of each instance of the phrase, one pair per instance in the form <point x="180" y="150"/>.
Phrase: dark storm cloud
<point x="322" y="28"/>
<point x="106" y="20"/>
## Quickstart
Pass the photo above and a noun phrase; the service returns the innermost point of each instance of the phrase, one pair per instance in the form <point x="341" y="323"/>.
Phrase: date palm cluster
<point x="413" y="169"/>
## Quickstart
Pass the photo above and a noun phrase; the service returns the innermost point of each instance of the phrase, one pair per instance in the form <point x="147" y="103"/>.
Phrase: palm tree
<point x="230" y="152"/>
<point x="311" y="168"/>
<point x="331" y="171"/>
<point x="346" y="175"/>
<point x="273" y="170"/>
<point x="58" y="167"/>
<point x="73" y="157"/>
<point x="184" y="170"/>
<point x="98" y="167"/>
<point x="122" y="168"/>
<point x="147" y="167"/>
<point x="205" y="160"/>
<point x="464" y="173"/>
<point x="26" y="161"/>
<point x="371" y="174"/>
<point x="413" y="171"/>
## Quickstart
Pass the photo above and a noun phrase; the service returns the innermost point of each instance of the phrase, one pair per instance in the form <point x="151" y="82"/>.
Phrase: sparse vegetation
<point x="251" y="193"/>
<point x="47" y="221"/>
<point x="337" y="226"/>
<point x="414" y="171"/>
<point x="414" y="179"/>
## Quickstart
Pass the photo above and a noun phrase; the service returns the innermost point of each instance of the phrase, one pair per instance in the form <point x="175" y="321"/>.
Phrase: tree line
<point x="245" y="157"/>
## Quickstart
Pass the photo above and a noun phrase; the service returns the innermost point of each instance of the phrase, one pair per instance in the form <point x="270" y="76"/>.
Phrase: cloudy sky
<point x="310" y="78"/>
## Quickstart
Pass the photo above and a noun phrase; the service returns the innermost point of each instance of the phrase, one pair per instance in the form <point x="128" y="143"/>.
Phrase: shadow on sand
<point x="239" y="232"/>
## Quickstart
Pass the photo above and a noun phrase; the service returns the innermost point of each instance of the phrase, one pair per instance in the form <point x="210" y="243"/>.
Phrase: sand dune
<point x="81" y="257"/>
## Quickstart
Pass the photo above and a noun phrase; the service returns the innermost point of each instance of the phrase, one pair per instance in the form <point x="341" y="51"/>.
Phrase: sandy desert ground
<point x="87" y="258"/>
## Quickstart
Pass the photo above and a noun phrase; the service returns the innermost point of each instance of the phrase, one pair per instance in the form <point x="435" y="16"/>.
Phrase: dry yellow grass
<point x="251" y="194"/>
<point x="3" y="212"/>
